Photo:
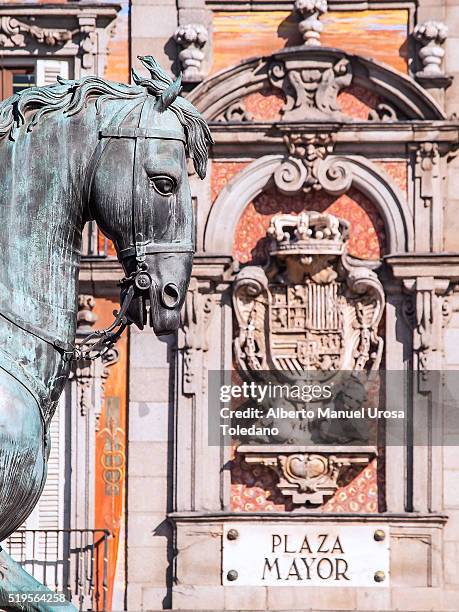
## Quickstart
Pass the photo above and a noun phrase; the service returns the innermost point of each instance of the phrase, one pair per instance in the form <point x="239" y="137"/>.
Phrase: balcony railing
<point x="70" y="561"/>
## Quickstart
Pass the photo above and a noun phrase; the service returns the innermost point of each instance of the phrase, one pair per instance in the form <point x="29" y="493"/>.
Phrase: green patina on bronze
<point x="73" y="151"/>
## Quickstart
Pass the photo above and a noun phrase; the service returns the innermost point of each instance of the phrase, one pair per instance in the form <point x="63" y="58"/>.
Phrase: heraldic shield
<point x="312" y="307"/>
<point x="311" y="313"/>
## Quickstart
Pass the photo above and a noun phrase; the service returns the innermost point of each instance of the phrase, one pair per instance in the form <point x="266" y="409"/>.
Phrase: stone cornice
<point x="253" y="139"/>
<point x="99" y="276"/>
<point x="333" y="5"/>
<point x="65" y="10"/>
<point x="437" y="265"/>
<point x="414" y="518"/>
<point x="400" y="131"/>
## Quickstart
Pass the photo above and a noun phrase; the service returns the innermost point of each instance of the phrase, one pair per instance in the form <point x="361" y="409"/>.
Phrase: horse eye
<point x="164" y="185"/>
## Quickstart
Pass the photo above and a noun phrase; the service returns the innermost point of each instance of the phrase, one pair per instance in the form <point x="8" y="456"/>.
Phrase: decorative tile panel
<point x="222" y="173"/>
<point x="367" y="231"/>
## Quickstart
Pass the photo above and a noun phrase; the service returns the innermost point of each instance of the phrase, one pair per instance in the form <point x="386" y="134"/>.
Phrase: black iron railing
<point x="72" y="561"/>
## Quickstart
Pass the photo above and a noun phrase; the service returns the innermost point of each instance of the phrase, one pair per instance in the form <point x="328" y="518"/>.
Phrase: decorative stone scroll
<point x="312" y="307"/>
<point x="431" y="311"/>
<point x="311" y="91"/>
<point x="13" y="33"/>
<point x="429" y="281"/>
<point x="306" y="168"/>
<point x="88" y="42"/>
<point x="90" y="376"/>
<point x="197" y="315"/>
<point x="309" y="476"/>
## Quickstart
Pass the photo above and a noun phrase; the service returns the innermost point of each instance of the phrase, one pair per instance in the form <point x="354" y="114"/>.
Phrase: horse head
<point x="139" y="194"/>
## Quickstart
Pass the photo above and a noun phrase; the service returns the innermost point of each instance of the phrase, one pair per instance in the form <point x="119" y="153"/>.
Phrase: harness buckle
<point x="140" y="248"/>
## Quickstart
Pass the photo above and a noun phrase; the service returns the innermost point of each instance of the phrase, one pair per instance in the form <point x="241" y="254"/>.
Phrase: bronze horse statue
<point x="71" y="152"/>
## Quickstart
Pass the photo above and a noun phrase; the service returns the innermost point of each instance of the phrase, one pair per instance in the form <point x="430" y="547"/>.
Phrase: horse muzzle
<point x="157" y="291"/>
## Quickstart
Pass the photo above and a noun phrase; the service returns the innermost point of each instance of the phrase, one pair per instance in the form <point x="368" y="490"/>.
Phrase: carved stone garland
<point x="311" y="308"/>
<point x="197" y="315"/>
<point x="13" y="33"/>
<point x="90" y="376"/>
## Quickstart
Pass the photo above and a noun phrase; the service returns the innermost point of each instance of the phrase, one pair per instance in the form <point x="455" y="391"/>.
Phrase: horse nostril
<point x="170" y="295"/>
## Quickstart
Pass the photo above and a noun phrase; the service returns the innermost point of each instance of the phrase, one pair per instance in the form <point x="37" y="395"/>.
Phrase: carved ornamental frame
<point x="78" y="33"/>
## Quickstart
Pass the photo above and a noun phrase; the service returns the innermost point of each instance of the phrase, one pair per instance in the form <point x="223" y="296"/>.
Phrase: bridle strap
<point x="154" y="248"/>
<point x="139" y="134"/>
<point x="142" y="132"/>
<point x="59" y="345"/>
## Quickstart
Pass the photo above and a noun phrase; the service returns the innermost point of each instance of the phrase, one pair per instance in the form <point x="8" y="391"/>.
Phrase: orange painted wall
<point x="379" y="34"/>
<point x="110" y="476"/>
<point x="117" y="67"/>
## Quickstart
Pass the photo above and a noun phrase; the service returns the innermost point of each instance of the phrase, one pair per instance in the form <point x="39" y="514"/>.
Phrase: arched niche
<point x="361" y="174"/>
<point x="400" y="97"/>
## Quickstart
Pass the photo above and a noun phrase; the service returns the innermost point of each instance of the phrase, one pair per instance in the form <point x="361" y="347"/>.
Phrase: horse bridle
<point x="99" y="342"/>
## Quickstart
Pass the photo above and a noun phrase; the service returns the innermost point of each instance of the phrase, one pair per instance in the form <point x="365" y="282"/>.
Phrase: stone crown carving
<point x="307" y="234"/>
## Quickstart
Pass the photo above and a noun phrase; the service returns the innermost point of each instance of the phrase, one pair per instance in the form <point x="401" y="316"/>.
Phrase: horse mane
<point x="29" y="106"/>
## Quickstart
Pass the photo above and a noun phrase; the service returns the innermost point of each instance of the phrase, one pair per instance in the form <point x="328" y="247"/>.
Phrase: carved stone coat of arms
<point x="311" y="311"/>
<point x="312" y="307"/>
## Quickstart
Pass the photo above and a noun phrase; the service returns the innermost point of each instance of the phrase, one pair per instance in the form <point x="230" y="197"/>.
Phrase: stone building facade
<point x="326" y="240"/>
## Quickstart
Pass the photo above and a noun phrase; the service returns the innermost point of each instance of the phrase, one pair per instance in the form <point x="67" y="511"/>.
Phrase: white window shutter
<point x="50" y="505"/>
<point x="47" y="71"/>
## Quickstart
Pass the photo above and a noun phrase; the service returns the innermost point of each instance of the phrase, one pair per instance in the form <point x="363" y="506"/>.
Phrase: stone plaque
<point x="278" y="554"/>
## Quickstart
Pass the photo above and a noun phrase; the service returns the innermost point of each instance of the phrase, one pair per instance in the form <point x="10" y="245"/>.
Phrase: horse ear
<point x="135" y="77"/>
<point x="155" y="70"/>
<point x="170" y="94"/>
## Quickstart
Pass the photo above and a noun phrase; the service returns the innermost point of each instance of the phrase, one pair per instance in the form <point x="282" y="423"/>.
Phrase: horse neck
<point x="42" y="178"/>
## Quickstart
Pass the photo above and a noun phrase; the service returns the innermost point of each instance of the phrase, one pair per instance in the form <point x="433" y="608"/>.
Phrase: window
<point x="14" y="80"/>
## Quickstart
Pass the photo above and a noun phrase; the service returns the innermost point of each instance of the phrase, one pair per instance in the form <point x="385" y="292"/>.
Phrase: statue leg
<point x="23" y="459"/>
<point x="14" y="581"/>
<point x="23" y="454"/>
